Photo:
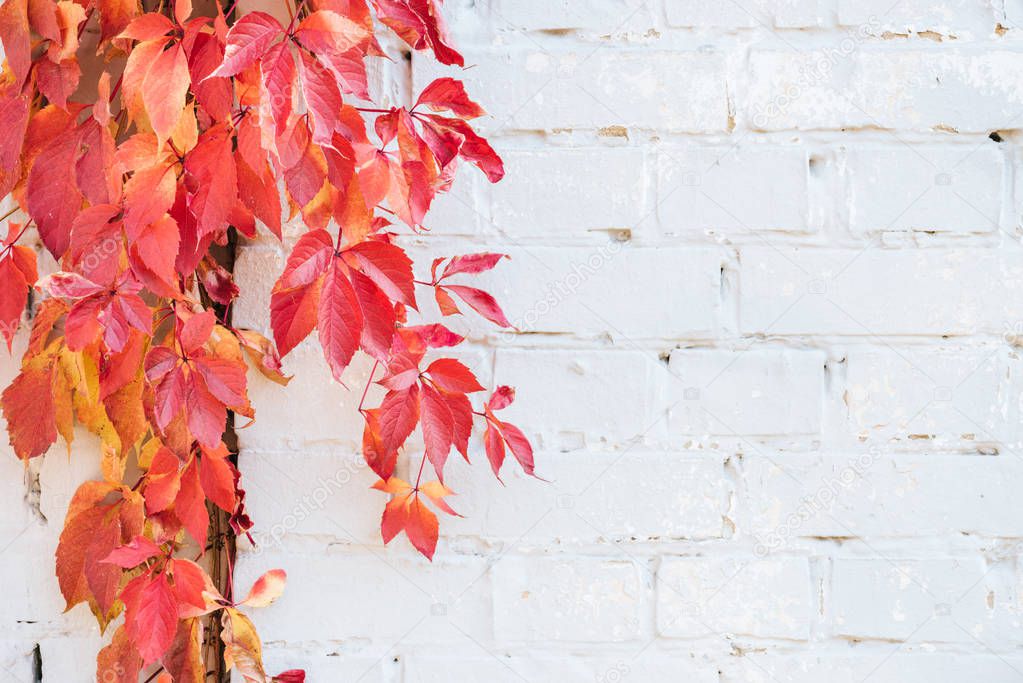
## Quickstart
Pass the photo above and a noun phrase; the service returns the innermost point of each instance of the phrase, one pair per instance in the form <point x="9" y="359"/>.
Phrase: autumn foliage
<point x="202" y="128"/>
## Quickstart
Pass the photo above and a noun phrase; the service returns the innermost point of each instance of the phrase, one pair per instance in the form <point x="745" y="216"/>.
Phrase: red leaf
<point x="378" y="317"/>
<point x="103" y="579"/>
<point x="438" y="428"/>
<point x="495" y="448"/>
<point x="153" y="253"/>
<point x="58" y="81"/>
<point x="29" y="411"/>
<point x="419" y="23"/>
<point x="294" y="303"/>
<point x="398" y="414"/>
<point x="190" y="505"/>
<point x="147" y="27"/>
<point x="213" y="181"/>
<point x="340" y="320"/>
<point x="308" y="260"/>
<point x="436" y="335"/>
<point x="449" y="94"/>
<point x="148" y="195"/>
<point x="151" y="616"/>
<point x="119" y="662"/>
<point x="324" y="31"/>
<point x="162" y="481"/>
<point x="133" y="554"/>
<point x="190" y="581"/>
<point x="389" y="267"/>
<point x="205" y="415"/>
<point x="395" y="517"/>
<point x="481" y="302"/>
<point x="446" y="304"/>
<point x="13" y="296"/>
<point x="16" y="37"/>
<point x="164" y="90"/>
<point x="519" y="445"/>
<point x="249" y="38"/>
<point x="278" y="69"/>
<point x="53" y="197"/>
<point x="471" y="263"/>
<point x="214" y="94"/>
<point x="293" y="314"/>
<point x="349" y="69"/>
<point x="225" y="379"/>
<point x="474" y="148"/>
<point x="217" y="477"/>
<point x="450" y="375"/>
<point x="321" y="96"/>
<point x="502" y="398"/>
<point x="195" y="331"/>
<point x="461" y="415"/>
<point x="422" y="528"/>
<point x="380" y="458"/>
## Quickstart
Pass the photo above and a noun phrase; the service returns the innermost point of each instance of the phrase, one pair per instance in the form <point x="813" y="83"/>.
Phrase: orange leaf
<point x="422" y="528"/>
<point x="29" y="410"/>
<point x="119" y="662"/>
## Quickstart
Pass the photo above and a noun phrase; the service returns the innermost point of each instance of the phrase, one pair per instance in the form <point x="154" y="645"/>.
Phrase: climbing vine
<point x="198" y="129"/>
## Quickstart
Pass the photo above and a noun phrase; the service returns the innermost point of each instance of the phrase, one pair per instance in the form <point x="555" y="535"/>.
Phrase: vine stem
<point x="419" y="477"/>
<point x="368" y="383"/>
<point x="9" y="214"/>
<point x="154" y="675"/>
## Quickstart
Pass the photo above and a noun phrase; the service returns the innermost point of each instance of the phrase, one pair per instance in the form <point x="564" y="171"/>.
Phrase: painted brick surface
<point x="768" y="284"/>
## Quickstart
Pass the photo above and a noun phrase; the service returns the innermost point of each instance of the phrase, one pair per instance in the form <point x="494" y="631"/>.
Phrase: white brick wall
<point x="767" y="267"/>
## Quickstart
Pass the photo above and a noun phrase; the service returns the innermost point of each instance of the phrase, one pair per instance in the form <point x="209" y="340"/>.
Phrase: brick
<point x="648" y="665"/>
<point x="879" y="666"/>
<point x="870" y="291"/>
<point x="743" y="13"/>
<point x="855" y="86"/>
<point x="587" y="89"/>
<point x="954" y="397"/>
<point x="935" y="599"/>
<point x="592" y="498"/>
<point x="327" y="413"/>
<point x="746" y="392"/>
<point x="951" y="18"/>
<point x="574" y="396"/>
<point x="556" y="15"/>
<point x="570" y="599"/>
<point x="333" y="664"/>
<point x="461" y="211"/>
<point x="932" y="189"/>
<point x="375" y="595"/>
<point x="874" y="495"/>
<point x="742" y="596"/>
<point x="553" y="192"/>
<point x="613" y="288"/>
<point x="696" y="186"/>
<point x="325" y="494"/>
